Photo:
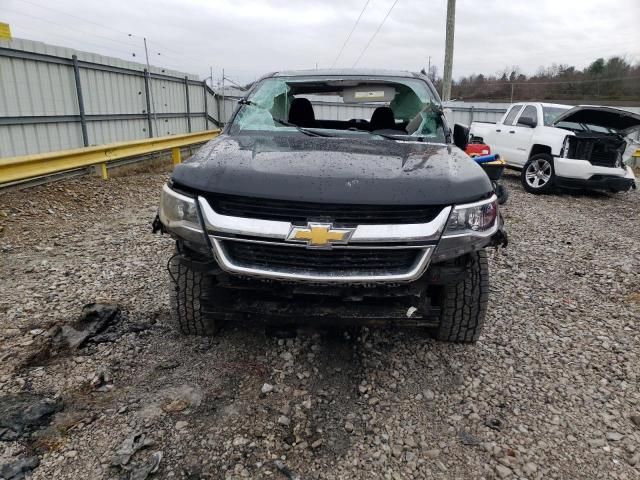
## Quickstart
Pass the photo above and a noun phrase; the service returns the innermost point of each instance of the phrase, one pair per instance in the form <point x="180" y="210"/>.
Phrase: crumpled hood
<point x="334" y="170"/>
<point x="607" y="117"/>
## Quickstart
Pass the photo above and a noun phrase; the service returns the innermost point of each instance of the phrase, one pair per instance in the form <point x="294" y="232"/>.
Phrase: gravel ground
<point x="550" y="391"/>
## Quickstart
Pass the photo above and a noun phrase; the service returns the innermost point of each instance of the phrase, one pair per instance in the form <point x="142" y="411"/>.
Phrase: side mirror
<point x="460" y="136"/>
<point x="527" y="122"/>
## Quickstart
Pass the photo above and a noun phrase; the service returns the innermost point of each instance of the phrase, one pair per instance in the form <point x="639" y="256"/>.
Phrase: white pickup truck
<point x="563" y="146"/>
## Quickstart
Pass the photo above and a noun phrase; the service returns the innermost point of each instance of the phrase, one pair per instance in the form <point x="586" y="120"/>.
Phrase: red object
<point x="475" y="149"/>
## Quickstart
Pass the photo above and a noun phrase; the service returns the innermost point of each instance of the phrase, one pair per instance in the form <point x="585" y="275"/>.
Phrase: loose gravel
<point x="551" y="390"/>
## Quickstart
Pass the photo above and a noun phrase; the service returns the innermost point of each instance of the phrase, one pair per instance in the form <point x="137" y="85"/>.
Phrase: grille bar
<point x="284" y="257"/>
<point x="302" y="212"/>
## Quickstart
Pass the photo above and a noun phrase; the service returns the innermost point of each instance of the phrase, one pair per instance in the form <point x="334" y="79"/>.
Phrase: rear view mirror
<point x="527" y="122"/>
<point x="460" y="136"/>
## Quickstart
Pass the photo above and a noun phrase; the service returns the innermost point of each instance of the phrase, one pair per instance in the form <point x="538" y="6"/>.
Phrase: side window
<point x="511" y="116"/>
<point x="531" y="112"/>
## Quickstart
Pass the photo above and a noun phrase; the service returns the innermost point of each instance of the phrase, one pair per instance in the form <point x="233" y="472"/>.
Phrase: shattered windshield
<point x="343" y="107"/>
<point x="551" y="113"/>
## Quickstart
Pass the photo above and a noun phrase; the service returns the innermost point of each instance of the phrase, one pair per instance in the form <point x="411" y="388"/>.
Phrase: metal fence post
<point x="206" y="110"/>
<point x="83" y="119"/>
<point x="186" y="91"/>
<point x="216" y="97"/>
<point x="148" y="100"/>
<point x="471" y="119"/>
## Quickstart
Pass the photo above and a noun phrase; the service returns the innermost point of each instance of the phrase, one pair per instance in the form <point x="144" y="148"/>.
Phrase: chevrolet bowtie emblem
<point x="320" y="235"/>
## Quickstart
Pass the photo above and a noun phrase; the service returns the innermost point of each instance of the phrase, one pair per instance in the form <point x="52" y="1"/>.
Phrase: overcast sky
<point x="248" y="38"/>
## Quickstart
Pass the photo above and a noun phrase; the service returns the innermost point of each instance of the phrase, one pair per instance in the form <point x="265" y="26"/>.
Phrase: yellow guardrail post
<point x="176" y="156"/>
<point x="14" y="169"/>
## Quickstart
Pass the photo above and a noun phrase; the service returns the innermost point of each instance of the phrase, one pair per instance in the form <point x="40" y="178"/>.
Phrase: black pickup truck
<point x="298" y="213"/>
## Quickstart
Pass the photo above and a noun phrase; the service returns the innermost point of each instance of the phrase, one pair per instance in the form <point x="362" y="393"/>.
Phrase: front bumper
<point x="598" y="182"/>
<point x="583" y="170"/>
<point x="372" y="253"/>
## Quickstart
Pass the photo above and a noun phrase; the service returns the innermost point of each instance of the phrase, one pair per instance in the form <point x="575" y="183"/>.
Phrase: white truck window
<point x="531" y="112"/>
<point x="511" y="116"/>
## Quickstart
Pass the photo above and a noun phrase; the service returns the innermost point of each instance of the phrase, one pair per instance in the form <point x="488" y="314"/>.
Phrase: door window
<point x="511" y="116"/>
<point x="530" y="111"/>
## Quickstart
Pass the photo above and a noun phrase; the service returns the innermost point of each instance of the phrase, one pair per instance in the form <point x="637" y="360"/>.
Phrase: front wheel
<point x="191" y="293"/>
<point x="538" y="175"/>
<point x="464" y="304"/>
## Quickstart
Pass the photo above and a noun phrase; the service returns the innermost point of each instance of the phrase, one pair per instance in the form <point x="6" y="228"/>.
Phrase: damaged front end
<point x="592" y="156"/>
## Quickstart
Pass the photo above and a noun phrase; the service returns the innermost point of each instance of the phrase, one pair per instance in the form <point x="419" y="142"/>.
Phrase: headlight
<point x="564" y="153"/>
<point x="470" y="227"/>
<point x="179" y="215"/>
<point x="472" y="218"/>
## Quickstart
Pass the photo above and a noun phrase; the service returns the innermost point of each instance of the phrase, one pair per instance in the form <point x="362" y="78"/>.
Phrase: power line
<point x="350" y="33"/>
<point x="375" y="33"/>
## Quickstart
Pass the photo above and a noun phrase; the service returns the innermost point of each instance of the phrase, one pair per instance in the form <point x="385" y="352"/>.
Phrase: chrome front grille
<point x="347" y="261"/>
<point x="374" y="252"/>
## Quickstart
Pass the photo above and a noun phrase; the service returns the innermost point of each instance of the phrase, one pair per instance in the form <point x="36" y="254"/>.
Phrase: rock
<point x="530" y="468"/>
<point x="503" y="471"/>
<point x="177" y="405"/>
<point x="266" y="388"/>
<point x="16" y="469"/>
<point x="316" y="444"/>
<point x="429" y="395"/>
<point x="307" y="404"/>
<point x="467" y="438"/>
<point x="181" y="424"/>
<point x="635" y="419"/>
<point x="349" y="427"/>
<point x="433" y="453"/>
<point x="129" y="447"/>
<point x="282" y="468"/>
<point x="396" y="452"/>
<point x="71" y="454"/>
<point x="149" y="467"/>
<point x="286" y="356"/>
<point x="597" y="442"/>
<point x="494" y="423"/>
<point x="239" y="441"/>
<point x="614" y="436"/>
<point x="284" y="420"/>
<point x="22" y="413"/>
<point x="634" y="460"/>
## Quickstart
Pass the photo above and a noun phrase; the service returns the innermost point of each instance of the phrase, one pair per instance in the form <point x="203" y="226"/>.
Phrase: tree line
<point x="612" y="79"/>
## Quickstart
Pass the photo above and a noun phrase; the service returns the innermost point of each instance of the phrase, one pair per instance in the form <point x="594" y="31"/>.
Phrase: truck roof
<point x="555" y="105"/>
<point x="345" y="72"/>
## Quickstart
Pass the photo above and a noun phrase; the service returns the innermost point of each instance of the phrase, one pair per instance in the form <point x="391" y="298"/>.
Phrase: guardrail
<point x="14" y="169"/>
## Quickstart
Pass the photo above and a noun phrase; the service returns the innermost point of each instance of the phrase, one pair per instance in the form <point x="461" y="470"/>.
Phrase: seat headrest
<point x="382" y="118"/>
<point x="301" y="113"/>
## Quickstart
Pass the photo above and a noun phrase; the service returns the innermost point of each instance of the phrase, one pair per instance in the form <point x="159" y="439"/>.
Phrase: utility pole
<point x="153" y="105"/>
<point x="224" y="117"/>
<point x="448" y="53"/>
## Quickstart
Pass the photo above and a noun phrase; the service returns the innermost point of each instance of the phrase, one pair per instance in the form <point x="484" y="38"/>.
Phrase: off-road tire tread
<point x="189" y="291"/>
<point x="464" y="303"/>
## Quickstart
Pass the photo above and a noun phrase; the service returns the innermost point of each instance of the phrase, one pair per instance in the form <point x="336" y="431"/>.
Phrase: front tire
<point x="538" y="175"/>
<point x="464" y="304"/>
<point x="190" y="291"/>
